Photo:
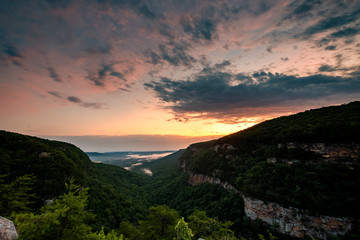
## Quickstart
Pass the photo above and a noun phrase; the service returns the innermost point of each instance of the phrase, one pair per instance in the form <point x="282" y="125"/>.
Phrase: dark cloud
<point x="74" y="99"/>
<point x="94" y="105"/>
<point x="11" y="51"/>
<point x="331" y="48"/>
<point x="55" y="94"/>
<point x="323" y="42"/>
<point x="59" y="3"/>
<point x="220" y="94"/>
<point x="200" y="27"/>
<point x="117" y="74"/>
<point x="144" y="10"/>
<point x="152" y="57"/>
<point x="106" y="70"/>
<point x="99" y="50"/>
<point x="331" y="23"/>
<point x="175" y="54"/>
<point x="216" y="67"/>
<point x="53" y="74"/>
<point x="221" y="66"/>
<point x="306" y="7"/>
<point x="303" y="8"/>
<point x="347" y="32"/>
<point x="326" y="68"/>
<point x="77" y="100"/>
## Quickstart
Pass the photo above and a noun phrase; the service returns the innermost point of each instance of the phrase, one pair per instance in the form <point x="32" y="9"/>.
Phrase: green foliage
<point x="209" y="228"/>
<point x="129" y="230"/>
<point x="271" y="236"/>
<point x="66" y="218"/>
<point x="17" y="195"/>
<point x="115" y="195"/>
<point x="160" y="223"/>
<point x="102" y="236"/>
<point x="183" y="232"/>
<point x="51" y="162"/>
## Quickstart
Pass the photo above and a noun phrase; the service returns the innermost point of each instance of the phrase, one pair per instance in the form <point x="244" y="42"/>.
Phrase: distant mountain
<point x="309" y="161"/>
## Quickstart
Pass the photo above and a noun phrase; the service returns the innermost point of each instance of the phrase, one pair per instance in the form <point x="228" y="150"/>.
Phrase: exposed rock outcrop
<point x="291" y="221"/>
<point x="7" y="229"/>
<point x="295" y="223"/>
<point x="347" y="154"/>
<point x="196" y="179"/>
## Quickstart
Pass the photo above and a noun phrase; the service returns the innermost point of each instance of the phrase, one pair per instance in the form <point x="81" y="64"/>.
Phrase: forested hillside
<point x="115" y="194"/>
<point x="309" y="161"/>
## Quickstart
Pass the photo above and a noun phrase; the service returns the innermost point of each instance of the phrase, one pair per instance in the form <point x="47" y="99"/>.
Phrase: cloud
<point x="106" y="70"/>
<point x="331" y="48"/>
<point x="55" y="94"/>
<point x="300" y="11"/>
<point x="175" y="54"/>
<point x="53" y="74"/>
<point x="144" y="10"/>
<point x="59" y="3"/>
<point x="77" y="100"/>
<point x="98" y="50"/>
<point x="326" y="68"/>
<point x="219" y="94"/>
<point x="347" y="32"/>
<point x="331" y="23"/>
<point x="11" y="51"/>
<point x="12" y="54"/>
<point x="200" y="27"/>
<point x="74" y="99"/>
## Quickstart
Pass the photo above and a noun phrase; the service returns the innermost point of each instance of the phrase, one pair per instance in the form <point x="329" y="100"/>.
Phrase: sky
<point x="171" y="72"/>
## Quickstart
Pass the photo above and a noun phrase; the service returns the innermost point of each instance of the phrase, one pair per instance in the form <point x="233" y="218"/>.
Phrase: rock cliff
<point x="294" y="222"/>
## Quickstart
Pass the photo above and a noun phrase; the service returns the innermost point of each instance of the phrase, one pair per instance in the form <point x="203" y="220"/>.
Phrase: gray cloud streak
<point x="220" y="93"/>
<point x="76" y="100"/>
<point x="54" y="75"/>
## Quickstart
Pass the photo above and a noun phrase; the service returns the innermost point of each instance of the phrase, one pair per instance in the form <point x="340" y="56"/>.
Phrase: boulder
<point x="7" y="229"/>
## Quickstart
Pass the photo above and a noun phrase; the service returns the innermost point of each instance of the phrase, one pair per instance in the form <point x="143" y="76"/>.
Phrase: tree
<point x="160" y="223"/>
<point x="183" y="232"/>
<point x="16" y="196"/>
<point x="129" y="230"/>
<point x="66" y="218"/>
<point x="102" y="236"/>
<point x="210" y="228"/>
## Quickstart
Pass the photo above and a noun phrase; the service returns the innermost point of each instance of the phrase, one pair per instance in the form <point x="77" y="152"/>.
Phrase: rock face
<point x="196" y="179"/>
<point x="348" y="154"/>
<point x="291" y="221"/>
<point x="7" y="229"/>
